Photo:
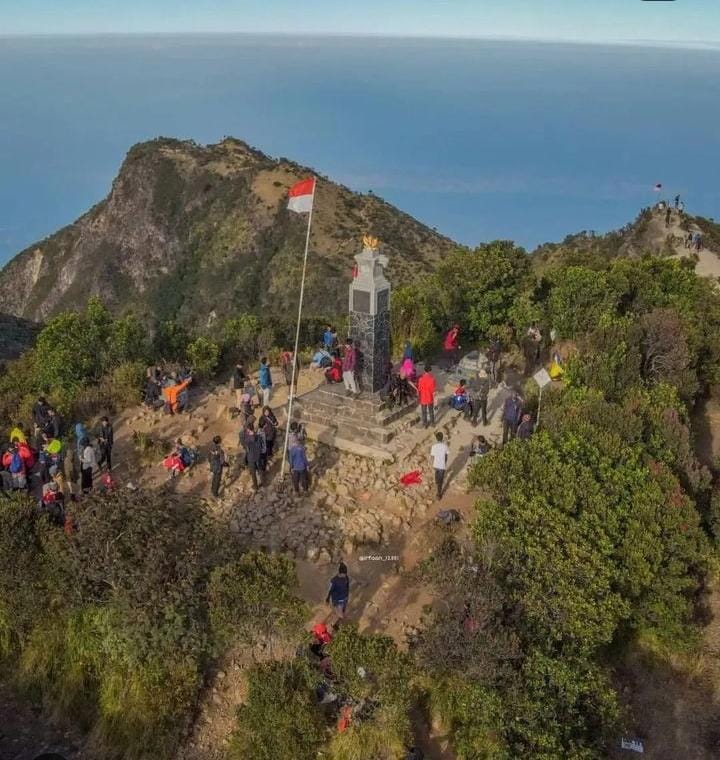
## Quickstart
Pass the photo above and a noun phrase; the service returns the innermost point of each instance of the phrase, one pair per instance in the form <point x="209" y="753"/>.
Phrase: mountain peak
<point x="188" y="230"/>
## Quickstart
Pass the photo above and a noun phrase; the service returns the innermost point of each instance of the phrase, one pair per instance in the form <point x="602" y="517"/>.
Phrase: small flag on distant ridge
<point x="301" y="196"/>
<point x="658" y="187"/>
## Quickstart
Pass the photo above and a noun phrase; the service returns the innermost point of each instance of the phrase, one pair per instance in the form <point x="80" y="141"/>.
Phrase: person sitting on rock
<point x="333" y="374"/>
<point x="322" y="358"/>
<point x="460" y="400"/>
<point x="173" y="463"/>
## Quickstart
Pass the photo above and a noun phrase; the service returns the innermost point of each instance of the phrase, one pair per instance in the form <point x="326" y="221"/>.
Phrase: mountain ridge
<point x="193" y="232"/>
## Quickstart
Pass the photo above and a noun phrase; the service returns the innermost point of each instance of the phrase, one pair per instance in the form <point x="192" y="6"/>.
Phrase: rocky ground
<point x="357" y="510"/>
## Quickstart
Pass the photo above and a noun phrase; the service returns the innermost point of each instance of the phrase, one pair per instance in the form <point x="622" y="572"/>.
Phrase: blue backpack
<point x="16" y="463"/>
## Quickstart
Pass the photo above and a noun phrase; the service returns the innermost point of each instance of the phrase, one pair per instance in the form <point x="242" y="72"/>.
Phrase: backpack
<point x="16" y="463"/>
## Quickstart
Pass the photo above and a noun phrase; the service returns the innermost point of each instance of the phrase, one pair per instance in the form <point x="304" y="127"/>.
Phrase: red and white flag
<point x="301" y="196"/>
<point x="658" y="187"/>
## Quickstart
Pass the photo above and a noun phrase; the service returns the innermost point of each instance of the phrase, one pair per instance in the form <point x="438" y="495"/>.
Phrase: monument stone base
<point x="350" y="423"/>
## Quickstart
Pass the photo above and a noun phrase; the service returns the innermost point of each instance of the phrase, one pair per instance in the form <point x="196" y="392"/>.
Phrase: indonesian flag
<point x="658" y="187"/>
<point x="301" y="196"/>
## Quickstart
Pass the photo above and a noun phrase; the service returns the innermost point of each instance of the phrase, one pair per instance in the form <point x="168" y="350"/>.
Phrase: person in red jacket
<point x="14" y="463"/>
<point x="426" y="394"/>
<point x="451" y="346"/>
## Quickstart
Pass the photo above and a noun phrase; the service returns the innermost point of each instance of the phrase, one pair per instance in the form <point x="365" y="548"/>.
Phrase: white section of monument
<point x="370" y="278"/>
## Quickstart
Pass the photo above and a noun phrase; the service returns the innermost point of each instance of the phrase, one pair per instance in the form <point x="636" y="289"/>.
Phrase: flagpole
<point x="291" y="396"/>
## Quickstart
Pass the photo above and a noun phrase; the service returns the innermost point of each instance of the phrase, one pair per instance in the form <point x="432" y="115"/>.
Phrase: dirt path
<point x="658" y="237"/>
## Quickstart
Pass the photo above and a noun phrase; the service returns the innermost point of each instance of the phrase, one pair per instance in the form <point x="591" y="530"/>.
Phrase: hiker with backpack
<point x="269" y="424"/>
<point x="14" y="463"/>
<point x="216" y="457"/>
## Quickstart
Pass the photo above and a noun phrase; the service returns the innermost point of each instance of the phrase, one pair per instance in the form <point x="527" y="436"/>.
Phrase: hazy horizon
<point x="710" y="45"/>
<point x="690" y="20"/>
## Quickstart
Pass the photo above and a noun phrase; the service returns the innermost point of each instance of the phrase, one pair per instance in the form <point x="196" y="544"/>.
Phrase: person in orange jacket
<point x="171" y="393"/>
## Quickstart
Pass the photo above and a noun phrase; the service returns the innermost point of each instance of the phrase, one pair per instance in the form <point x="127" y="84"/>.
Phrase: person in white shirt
<point x="439" y="453"/>
<point x="88" y="461"/>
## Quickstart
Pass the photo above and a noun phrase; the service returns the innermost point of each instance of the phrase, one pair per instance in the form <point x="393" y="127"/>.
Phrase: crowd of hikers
<point x="54" y="465"/>
<point x="57" y="464"/>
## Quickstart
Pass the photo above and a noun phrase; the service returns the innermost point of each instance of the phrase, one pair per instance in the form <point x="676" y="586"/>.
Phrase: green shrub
<point x="126" y="384"/>
<point x="253" y="600"/>
<point x="280" y="717"/>
<point x="240" y="336"/>
<point x="204" y="356"/>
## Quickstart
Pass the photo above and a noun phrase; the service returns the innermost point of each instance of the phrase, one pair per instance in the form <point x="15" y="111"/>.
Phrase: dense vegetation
<point x="599" y="531"/>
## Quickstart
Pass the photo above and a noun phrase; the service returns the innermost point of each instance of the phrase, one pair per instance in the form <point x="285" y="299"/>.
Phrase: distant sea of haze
<point x="480" y="139"/>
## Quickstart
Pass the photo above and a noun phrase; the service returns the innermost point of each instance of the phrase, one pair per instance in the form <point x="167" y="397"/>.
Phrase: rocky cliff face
<point x="193" y="233"/>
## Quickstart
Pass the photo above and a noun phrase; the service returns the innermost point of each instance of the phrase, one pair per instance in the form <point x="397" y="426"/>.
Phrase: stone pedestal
<point x="369" y="324"/>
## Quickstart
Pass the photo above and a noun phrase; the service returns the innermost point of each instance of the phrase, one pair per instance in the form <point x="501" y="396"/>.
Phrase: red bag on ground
<point x="412" y="478"/>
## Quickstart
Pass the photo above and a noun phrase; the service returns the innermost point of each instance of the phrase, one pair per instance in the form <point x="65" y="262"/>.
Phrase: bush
<point x="204" y="356"/>
<point x="126" y="384"/>
<point x="253" y="600"/>
<point x="240" y="336"/>
<point x="279" y="717"/>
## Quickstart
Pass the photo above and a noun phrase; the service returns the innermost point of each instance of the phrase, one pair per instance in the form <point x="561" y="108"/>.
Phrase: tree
<point x="665" y="351"/>
<point x="578" y="300"/>
<point x="478" y="288"/>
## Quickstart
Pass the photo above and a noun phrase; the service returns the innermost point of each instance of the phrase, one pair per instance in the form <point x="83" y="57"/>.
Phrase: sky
<point x="689" y="22"/>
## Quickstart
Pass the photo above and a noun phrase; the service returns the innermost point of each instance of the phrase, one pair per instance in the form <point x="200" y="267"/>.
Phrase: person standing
<point x="253" y="452"/>
<point x="480" y="400"/>
<point x="426" y="387"/>
<point x="439" y="454"/>
<point x="533" y="340"/>
<point x="269" y="424"/>
<point x="329" y="338"/>
<point x="286" y="365"/>
<point x="668" y="216"/>
<point x="298" y="466"/>
<point x="265" y="381"/>
<point x="451" y="347"/>
<point x="238" y="381"/>
<point x="106" y="441"/>
<point x="526" y="428"/>
<point x="493" y="357"/>
<point x="677" y="201"/>
<point x="338" y="594"/>
<point x="349" y="364"/>
<point x="217" y="460"/>
<point x="511" y="415"/>
<point x="88" y="462"/>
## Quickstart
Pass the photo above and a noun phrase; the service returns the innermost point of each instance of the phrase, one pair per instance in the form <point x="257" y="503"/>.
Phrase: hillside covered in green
<point x="194" y="233"/>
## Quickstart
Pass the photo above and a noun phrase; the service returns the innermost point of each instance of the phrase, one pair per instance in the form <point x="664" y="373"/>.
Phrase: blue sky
<point x="687" y="21"/>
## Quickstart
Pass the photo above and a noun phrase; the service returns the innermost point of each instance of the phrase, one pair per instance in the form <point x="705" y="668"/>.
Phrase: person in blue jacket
<point x="265" y="380"/>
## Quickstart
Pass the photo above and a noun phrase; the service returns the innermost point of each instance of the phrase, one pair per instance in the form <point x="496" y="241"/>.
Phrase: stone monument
<point x="369" y="324"/>
<point x="364" y="424"/>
